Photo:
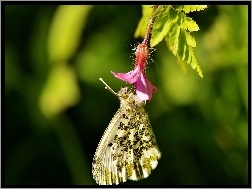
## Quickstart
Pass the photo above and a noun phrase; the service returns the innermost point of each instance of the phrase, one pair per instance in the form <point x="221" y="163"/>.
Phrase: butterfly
<point x="128" y="148"/>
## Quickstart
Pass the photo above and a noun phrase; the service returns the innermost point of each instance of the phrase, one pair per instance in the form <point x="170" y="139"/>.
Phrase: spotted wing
<point x="128" y="148"/>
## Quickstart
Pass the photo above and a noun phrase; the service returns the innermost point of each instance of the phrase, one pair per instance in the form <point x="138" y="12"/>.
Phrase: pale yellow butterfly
<point x="128" y="148"/>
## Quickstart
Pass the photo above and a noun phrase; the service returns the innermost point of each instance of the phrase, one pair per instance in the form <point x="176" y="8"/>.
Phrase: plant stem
<point x="149" y="27"/>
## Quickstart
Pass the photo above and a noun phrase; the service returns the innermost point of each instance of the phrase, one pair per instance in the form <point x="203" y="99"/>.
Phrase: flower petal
<point x="129" y="77"/>
<point x="144" y="88"/>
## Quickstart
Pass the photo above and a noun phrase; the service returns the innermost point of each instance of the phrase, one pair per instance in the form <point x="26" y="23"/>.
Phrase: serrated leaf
<point x="147" y="11"/>
<point x="182" y="46"/>
<point x="180" y="43"/>
<point x="173" y="38"/>
<point x="190" y="40"/>
<point x="188" y="23"/>
<point x="160" y="26"/>
<point x="175" y="27"/>
<point x="194" y="63"/>
<point x="190" y="8"/>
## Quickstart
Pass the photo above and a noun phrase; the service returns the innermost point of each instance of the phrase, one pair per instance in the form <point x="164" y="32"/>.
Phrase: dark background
<point x="56" y="109"/>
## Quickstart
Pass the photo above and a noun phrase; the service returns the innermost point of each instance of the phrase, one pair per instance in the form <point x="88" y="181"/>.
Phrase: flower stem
<point x="150" y="24"/>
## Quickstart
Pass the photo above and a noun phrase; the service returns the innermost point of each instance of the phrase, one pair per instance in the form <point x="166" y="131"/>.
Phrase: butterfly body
<point x="128" y="149"/>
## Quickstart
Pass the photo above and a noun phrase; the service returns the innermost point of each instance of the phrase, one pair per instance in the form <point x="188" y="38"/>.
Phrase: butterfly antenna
<point x="108" y="87"/>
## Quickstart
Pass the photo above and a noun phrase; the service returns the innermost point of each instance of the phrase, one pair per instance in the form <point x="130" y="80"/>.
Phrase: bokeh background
<point x="56" y="109"/>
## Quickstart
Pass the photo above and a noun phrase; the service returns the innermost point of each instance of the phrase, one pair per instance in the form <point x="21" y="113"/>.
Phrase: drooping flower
<point x="137" y="76"/>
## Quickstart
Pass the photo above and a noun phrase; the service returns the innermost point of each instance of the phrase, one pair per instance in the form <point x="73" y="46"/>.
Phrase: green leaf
<point x="147" y="11"/>
<point x="161" y="25"/>
<point x="180" y="41"/>
<point x="172" y="24"/>
<point x="184" y="50"/>
<point x="188" y="23"/>
<point x="190" y="40"/>
<point x="190" y="8"/>
<point x="173" y="37"/>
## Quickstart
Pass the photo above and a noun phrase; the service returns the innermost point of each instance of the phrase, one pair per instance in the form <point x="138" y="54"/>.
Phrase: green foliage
<point x="192" y="118"/>
<point x="174" y="26"/>
<point x="161" y="25"/>
<point x="147" y="11"/>
<point x="190" y="8"/>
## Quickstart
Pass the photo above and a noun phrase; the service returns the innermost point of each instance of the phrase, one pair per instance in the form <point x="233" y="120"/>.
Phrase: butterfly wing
<point x="138" y="143"/>
<point x="128" y="149"/>
<point x="103" y="167"/>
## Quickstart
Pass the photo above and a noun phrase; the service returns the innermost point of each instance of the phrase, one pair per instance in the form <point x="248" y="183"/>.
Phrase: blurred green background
<point x="57" y="109"/>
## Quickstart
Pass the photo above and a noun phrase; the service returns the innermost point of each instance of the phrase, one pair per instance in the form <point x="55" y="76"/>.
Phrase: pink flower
<point x="137" y="77"/>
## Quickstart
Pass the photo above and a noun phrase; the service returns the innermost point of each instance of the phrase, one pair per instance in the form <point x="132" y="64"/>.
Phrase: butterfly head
<point x="127" y="96"/>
